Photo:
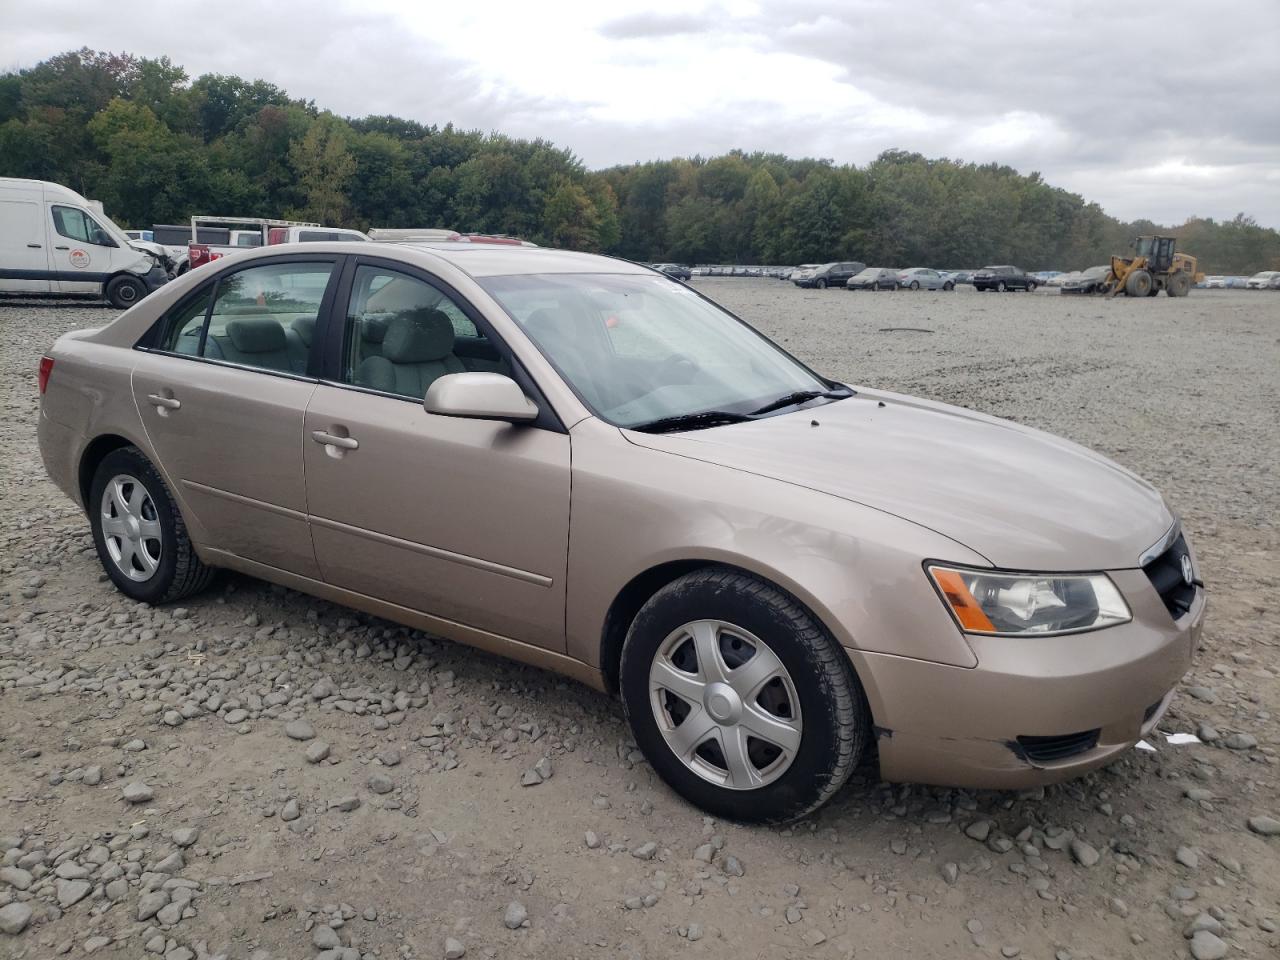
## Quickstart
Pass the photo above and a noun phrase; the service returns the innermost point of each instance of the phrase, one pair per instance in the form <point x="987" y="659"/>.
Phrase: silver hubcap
<point x="725" y="704"/>
<point x="131" y="528"/>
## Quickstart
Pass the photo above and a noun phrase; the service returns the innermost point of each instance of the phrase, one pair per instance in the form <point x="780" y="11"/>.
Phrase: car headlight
<point x="1012" y="604"/>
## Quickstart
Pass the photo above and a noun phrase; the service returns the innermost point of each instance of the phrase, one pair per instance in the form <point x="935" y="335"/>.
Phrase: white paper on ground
<point x="1143" y="745"/>
<point x="1178" y="739"/>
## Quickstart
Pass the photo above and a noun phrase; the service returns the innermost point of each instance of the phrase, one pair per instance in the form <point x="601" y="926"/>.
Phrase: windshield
<point x="639" y="348"/>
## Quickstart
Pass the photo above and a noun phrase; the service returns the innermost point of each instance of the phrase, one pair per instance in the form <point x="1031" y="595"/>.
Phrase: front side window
<point x="75" y="224"/>
<point x="638" y="349"/>
<point x="402" y="334"/>
<point x="262" y="317"/>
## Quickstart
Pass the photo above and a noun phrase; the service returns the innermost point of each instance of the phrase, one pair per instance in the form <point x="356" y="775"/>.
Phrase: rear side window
<point x="262" y="317"/>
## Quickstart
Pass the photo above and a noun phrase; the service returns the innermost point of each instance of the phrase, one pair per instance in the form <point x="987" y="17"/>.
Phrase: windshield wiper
<point x="692" y="421"/>
<point x="801" y="396"/>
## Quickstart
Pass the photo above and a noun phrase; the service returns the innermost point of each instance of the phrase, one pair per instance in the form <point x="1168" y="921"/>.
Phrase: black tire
<point x="1001" y="287"/>
<point x="875" y="285"/>
<point x="1179" y="284"/>
<point x="948" y="286"/>
<point x="1138" y="284"/>
<point x="1031" y="286"/>
<point x="915" y="284"/>
<point x="832" y="705"/>
<point x="124" y="291"/>
<point x="179" y="573"/>
<point x="820" y="284"/>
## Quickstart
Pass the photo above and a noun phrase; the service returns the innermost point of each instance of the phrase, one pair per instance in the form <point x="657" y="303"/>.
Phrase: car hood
<point x="1022" y="498"/>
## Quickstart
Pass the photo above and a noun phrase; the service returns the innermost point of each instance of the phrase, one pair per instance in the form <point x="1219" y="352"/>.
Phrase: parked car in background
<point x="675" y="270"/>
<point x="1215" y="283"/>
<point x="247" y="233"/>
<point x="828" y="274"/>
<point x="873" y="278"/>
<point x="923" y="278"/>
<point x="1266" y="280"/>
<point x="144" y="235"/>
<point x="1044" y="276"/>
<point x="958" y="599"/>
<point x="54" y="242"/>
<point x="792" y="272"/>
<point x="1092" y="280"/>
<point x="958" y="276"/>
<point x="1238" y="283"/>
<point x="1002" y="278"/>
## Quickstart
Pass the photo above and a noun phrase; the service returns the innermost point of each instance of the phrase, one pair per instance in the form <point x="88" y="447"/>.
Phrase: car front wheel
<point x="139" y="534"/>
<point x="742" y="702"/>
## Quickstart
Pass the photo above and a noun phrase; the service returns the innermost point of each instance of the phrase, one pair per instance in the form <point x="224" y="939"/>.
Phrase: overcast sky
<point x="1161" y="111"/>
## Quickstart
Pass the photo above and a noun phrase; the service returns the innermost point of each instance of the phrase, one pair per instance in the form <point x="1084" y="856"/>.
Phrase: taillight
<point x="46" y="368"/>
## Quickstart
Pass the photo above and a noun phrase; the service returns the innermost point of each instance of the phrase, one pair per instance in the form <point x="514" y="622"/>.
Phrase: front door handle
<point x="164" y="403"/>
<point x="34" y="246"/>
<point x="62" y="248"/>
<point x="330" y="440"/>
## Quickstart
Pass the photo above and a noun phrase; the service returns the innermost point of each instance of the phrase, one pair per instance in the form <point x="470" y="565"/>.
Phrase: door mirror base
<point x="479" y="396"/>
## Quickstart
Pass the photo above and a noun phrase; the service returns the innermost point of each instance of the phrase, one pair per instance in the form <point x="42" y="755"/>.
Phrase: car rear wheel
<point x="1031" y="286"/>
<point x="821" y="284"/>
<point x="139" y="534"/>
<point x="1001" y="287"/>
<point x="740" y="699"/>
<point x="915" y="284"/>
<point x="876" y="285"/>
<point x="948" y="286"/>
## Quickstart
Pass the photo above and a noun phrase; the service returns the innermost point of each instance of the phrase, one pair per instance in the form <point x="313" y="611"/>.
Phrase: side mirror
<point x="479" y="396"/>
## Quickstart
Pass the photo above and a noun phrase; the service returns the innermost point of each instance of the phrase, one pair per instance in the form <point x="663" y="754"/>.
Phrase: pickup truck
<point x="243" y="233"/>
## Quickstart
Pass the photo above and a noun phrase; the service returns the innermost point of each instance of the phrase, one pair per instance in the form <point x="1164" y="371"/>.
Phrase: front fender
<point x="856" y="568"/>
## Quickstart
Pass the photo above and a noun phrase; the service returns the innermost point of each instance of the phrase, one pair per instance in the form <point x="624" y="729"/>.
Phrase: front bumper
<point x="960" y="727"/>
<point x="154" y="279"/>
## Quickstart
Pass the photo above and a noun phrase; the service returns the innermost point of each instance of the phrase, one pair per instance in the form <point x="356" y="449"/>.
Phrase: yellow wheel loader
<point x="1155" y="265"/>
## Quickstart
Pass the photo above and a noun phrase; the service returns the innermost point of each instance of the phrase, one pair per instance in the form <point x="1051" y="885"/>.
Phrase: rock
<point x="299" y="730"/>
<point x="705" y="853"/>
<point x="14" y="918"/>
<point x="814" y="937"/>
<point x="543" y="768"/>
<point x="238" y="715"/>
<point x="94" y="944"/>
<point x="92" y="776"/>
<point x="793" y="915"/>
<point x="645" y="851"/>
<point x="1265" y="826"/>
<point x="317" y="751"/>
<point x="135" y="746"/>
<point x="290" y="811"/>
<point x="1207" y="946"/>
<point x="16" y="877"/>
<point x="1208" y="733"/>
<point x="978" y="830"/>
<point x="453" y="949"/>
<point x="530" y="778"/>
<point x="1118" y="907"/>
<point x="138" y="793"/>
<point x="151" y="903"/>
<point x="695" y="932"/>
<point x="324" y="937"/>
<point x="345" y="804"/>
<point x="171" y="864"/>
<point x="592" y="841"/>
<point x="1203" y="921"/>
<point x="1240" y="741"/>
<point x="1187" y="857"/>
<point x="380" y="783"/>
<point x="515" y="915"/>
<point x="71" y="892"/>
<point x="733" y="867"/>
<point x="186" y="836"/>
<point x="389" y="757"/>
<point x="950" y="872"/>
<point x="1083" y="853"/>
<point x="1203" y="694"/>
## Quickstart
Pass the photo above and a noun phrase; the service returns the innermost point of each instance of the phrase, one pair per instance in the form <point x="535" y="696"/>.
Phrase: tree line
<point x="157" y="147"/>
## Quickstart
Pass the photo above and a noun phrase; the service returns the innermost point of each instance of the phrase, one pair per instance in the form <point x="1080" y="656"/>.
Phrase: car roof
<point x="474" y="259"/>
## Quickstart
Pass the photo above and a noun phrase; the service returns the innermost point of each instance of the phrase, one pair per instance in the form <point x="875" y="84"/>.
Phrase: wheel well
<point x="627" y="604"/>
<point x="94" y="455"/>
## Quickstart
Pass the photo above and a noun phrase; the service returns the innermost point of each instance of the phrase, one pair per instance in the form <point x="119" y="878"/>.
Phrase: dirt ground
<point x="310" y="782"/>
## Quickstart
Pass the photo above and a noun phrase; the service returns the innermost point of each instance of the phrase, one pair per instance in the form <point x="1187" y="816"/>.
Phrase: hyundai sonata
<point x="582" y="464"/>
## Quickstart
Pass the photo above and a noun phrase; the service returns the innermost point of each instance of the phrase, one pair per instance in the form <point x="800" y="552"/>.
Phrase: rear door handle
<point x="330" y="440"/>
<point x="62" y="248"/>
<point x="34" y="246"/>
<point x="164" y="403"/>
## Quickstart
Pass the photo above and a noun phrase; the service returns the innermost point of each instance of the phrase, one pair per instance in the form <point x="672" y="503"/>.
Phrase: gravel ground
<point x="263" y="775"/>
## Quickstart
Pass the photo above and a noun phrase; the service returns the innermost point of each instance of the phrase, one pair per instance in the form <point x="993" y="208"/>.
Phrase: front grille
<point x="1049" y="749"/>
<point x="1165" y="574"/>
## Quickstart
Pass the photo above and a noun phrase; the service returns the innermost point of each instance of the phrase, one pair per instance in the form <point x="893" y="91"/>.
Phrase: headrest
<point x="305" y="328"/>
<point x="259" y="335"/>
<point x="418" y="336"/>
<point x="374" y="329"/>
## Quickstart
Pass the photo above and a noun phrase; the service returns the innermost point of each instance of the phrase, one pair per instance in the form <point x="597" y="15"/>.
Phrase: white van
<point x="54" y="242"/>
